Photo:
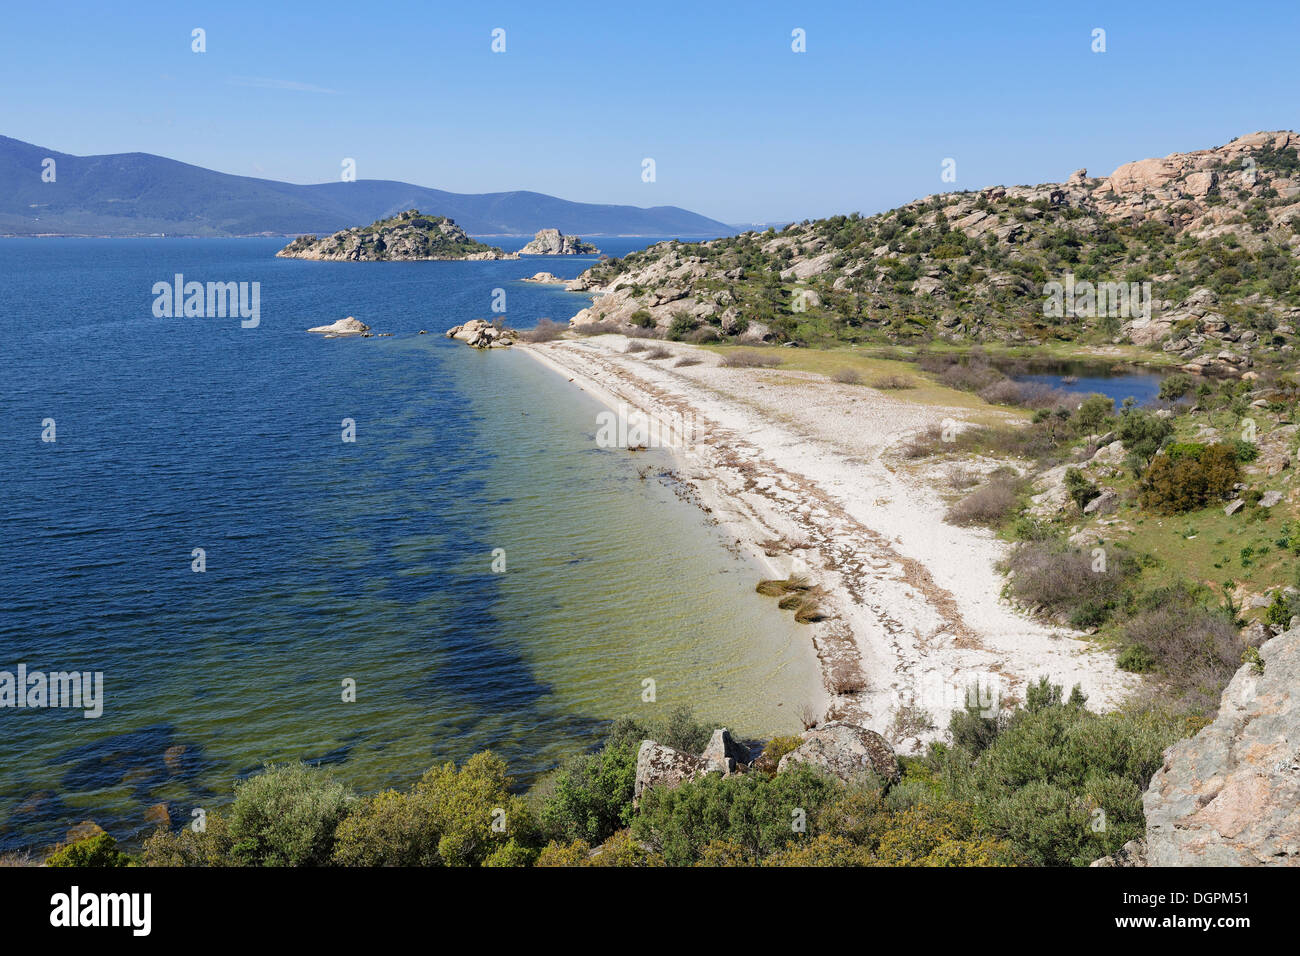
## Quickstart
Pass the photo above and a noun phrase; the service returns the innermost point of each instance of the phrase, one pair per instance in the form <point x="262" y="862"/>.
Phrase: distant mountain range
<point x="138" y="194"/>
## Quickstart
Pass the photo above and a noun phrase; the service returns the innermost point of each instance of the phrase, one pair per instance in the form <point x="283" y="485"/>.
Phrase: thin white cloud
<point x="269" y="84"/>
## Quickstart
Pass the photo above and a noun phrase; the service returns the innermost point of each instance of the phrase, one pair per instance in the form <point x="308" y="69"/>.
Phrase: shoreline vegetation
<point x="981" y="800"/>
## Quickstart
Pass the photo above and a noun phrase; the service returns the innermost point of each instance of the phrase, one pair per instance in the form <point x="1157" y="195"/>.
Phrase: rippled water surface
<point x="326" y="560"/>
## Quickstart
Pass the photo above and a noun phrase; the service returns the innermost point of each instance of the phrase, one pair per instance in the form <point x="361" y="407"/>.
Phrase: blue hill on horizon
<point x="140" y="194"/>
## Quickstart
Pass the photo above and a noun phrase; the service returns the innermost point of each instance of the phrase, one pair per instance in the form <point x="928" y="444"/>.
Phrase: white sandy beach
<point x="798" y="468"/>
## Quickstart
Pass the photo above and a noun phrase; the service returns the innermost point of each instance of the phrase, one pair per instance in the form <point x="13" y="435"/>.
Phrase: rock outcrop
<point x="348" y="326"/>
<point x="658" y="765"/>
<point x="846" y="751"/>
<point x="1230" y="796"/>
<point x="482" y="335"/>
<point x="839" y="748"/>
<point x="723" y="753"/>
<point x="551" y="242"/>
<point x="407" y="237"/>
<point x="546" y="277"/>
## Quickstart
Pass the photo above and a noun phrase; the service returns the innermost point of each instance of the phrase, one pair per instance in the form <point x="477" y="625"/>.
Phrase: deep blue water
<point x="326" y="560"/>
<point x="1140" y="385"/>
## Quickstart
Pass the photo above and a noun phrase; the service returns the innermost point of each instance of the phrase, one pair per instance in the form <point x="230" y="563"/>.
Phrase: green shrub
<point x="752" y="811"/>
<point x="1188" y="476"/>
<point x="1142" y="433"/>
<point x="1080" y="489"/>
<point x="681" y="326"/>
<point x="95" y="850"/>
<point x="210" y="846"/>
<point x="1175" y="386"/>
<point x="1060" y="784"/>
<point x="1136" y="658"/>
<point x="592" y="798"/>
<point x="286" y="816"/>
<point x="450" y="817"/>
<point x="1281" y="609"/>
<point x="1245" y="451"/>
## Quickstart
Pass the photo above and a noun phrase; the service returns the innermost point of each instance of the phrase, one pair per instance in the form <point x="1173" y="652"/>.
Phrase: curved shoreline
<point x="792" y="464"/>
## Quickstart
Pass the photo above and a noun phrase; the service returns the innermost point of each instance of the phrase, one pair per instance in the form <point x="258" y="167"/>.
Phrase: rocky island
<point x="409" y="236"/>
<point x="551" y="242"/>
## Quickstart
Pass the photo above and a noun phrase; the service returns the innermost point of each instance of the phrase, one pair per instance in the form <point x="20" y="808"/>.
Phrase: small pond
<point x="1086" y="378"/>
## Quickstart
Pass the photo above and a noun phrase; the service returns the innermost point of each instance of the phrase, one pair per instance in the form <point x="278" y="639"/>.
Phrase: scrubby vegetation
<point x="1049" y="783"/>
<point x="1185" y="570"/>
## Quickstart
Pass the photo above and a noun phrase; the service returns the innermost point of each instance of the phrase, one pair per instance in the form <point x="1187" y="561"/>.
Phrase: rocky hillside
<point x="1195" y="253"/>
<point x="551" y="242"/>
<point x="409" y="236"/>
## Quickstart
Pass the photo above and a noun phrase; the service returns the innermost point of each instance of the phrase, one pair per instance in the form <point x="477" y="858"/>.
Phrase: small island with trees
<point x="409" y="236"/>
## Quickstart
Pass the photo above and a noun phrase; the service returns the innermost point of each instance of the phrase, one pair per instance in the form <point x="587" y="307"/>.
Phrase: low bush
<point x="1061" y="785"/>
<point x="1080" y="489"/>
<point x="1066" y="581"/>
<point x="750" y="358"/>
<point x="451" y="817"/>
<point x="544" y="331"/>
<point x="989" y="505"/>
<point x="1194" y="648"/>
<point x="93" y="850"/>
<point x="893" y="383"/>
<point x="1188" y="476"/>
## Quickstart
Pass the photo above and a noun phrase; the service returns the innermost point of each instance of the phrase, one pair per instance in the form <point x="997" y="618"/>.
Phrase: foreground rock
<point x="846" y="751"/>
<point x="483" y="335"/>
<point x="348" y="326"/>
<point x="551" y="242"/>
<point x="407" y="237"/>
<point x="1133" y="853"/>
<point x="658" y="765"/>
<point x="1230" y="796"/>
<point x="842" y="749"/>
<point x="723" y="754"/>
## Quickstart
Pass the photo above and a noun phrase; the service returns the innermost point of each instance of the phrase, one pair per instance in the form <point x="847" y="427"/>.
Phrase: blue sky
<point x="740" y="127"/>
